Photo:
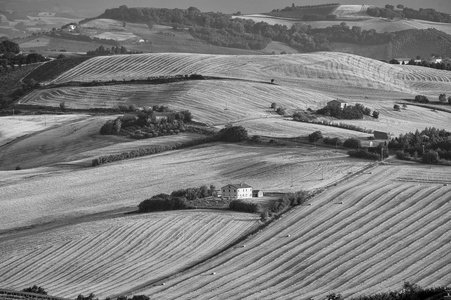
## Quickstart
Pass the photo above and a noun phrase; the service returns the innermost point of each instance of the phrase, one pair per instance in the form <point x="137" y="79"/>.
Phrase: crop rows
<point x="345" y="68"/>
<point x="364" y="236"/>
<point x="107" y="257"/>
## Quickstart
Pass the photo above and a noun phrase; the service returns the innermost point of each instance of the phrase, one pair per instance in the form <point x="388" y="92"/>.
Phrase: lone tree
<point x="376" y="114"/>
<point x="352" y="143"/>
<point x="442" y="98"/>
<point x="315" y="136"/>
<point x="396" y="107"/>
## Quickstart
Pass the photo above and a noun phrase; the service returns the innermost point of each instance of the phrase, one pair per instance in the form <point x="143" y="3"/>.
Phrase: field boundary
<point x="149" y="80"/>
<point x="14" y="294"/>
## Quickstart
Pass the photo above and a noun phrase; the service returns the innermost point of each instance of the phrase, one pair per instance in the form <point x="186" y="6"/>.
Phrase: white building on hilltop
<point x="237" y="191"/>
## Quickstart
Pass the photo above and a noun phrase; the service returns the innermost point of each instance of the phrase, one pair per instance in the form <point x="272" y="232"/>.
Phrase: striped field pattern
<point x="107" y="257"/>
<point x="345" y="68"/>
<point x="364" y="236"/>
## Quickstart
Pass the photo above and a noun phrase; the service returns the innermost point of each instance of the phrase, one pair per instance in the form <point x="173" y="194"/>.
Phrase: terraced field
<point x="366" y="235"/>
<point x="111" y="256"/>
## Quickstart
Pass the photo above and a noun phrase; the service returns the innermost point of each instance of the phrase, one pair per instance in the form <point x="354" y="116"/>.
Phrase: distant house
<point x="237" y="191"/>
<point x="141" y="41"/>
<point x="257" y="193"/>
<point x="380" y="135"/>
<point x="436" y="59"/>
<point x="337" y="103"/>
<point x="71" y="27"/>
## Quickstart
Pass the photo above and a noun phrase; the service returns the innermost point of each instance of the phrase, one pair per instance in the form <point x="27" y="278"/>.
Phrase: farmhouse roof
<point x="238" y="186"/>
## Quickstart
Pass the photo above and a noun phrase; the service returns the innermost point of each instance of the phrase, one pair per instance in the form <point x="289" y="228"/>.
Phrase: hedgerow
<point x="245" y="206"/>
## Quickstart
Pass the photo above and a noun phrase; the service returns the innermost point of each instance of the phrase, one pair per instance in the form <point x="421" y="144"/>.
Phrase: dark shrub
<point x="332" y="141"/>
<point x="352" y="143"/>
<point x="245" y="206"/>
<point x="315" y="136"/>
<point x="233" y="134"/>
<point x="363" y="153"/>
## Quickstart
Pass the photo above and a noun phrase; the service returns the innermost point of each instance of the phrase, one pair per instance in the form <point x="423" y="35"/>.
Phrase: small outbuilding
<point x="337" y="104"/>
<point x="380" y="135"/>
<point x="257" y="193"/>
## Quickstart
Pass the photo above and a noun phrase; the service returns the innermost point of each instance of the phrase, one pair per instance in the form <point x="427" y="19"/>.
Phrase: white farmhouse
<point x="237" y="191"/>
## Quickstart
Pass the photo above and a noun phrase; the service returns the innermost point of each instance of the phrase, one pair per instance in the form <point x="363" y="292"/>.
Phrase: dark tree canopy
<point x="233" y="134"/>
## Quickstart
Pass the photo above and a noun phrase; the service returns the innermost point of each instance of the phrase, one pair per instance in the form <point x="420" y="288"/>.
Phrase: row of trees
<point x="101" y="50"/>
<point x="228" y="134"/>
<point x="428" y="14"/>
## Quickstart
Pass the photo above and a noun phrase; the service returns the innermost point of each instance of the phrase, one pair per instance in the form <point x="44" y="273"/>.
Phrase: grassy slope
<point x="389" y="229"/>
<point x="145" y="247"/>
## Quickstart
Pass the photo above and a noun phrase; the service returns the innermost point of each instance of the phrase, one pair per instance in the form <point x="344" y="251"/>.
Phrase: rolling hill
<point x="365" y="236"/>
<point x="64" y="224"/>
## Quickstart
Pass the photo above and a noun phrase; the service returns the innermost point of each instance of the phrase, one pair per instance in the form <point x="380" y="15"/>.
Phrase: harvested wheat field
<point x="366" y="235"/>
<point x="345" y="68"/>
<point x="84" y="191"/>
<point x="13" y="127"/>
<point x="117" y="255"/>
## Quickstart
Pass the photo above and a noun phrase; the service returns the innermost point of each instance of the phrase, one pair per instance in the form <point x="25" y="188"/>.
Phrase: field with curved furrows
<point x="113" y="256"/>
<point x="327" y="68"/>
<point x="366" y="235"/>
<point x="84" y="191"/>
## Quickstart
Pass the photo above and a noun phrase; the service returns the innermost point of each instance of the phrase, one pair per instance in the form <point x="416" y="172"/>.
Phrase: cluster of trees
<point x="233" y="134"/>
<point x="350" y="112"/>
<point x="409" y="291"/>
<point x="428" y="14"/>
<point x="35" y="289"/>
<point x="107" y="51"/>
<point x="162" y="202"/>
<point x="229" y="38"/>
<point x="92" y="296"/>
<point x="307" y="12"/>
<point x="421" y="99"/>
<point x="245" y="206"/>
<point x="10" y="56"/>
<point x="286" y="201"/>
<point x="179" y="199"/>
<point x="146" y="124"/>
<point x="431" y="144"/>
<point x="364" y="153"/>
